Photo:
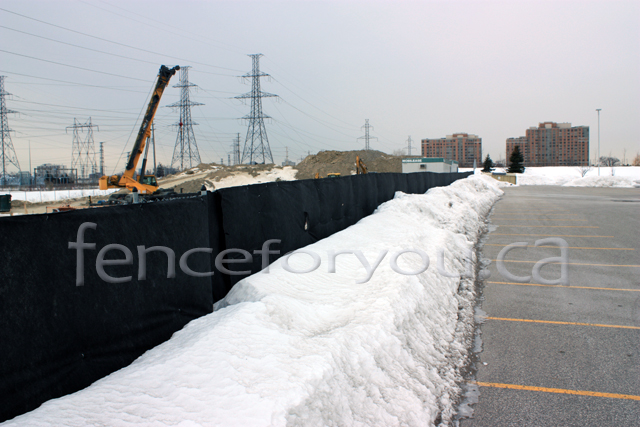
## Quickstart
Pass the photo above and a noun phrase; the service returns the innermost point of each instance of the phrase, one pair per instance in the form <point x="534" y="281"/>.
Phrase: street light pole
<point x="598" y="110"/>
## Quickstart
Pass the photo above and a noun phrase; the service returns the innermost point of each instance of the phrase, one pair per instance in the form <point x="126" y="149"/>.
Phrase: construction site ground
<point x="215" y="176"/>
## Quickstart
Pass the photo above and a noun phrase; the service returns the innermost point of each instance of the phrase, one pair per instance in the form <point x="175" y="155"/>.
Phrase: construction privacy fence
<point x="81" y="301"/>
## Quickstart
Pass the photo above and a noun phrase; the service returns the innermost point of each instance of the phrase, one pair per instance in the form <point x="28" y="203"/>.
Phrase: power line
<point x="67" y="82"/>
<point x="77" y="46"/>
<point x="72" y="66"/>
<point x="69" y="106"/>
<point x="163" y="26"/>
<point x="108" y="41"/>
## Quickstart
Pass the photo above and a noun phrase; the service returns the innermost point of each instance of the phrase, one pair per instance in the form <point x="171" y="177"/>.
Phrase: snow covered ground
<point x="374" y="340"/>
<point x="52" y="196"/>
<point x="286" y="173"/>
<point x="234" y="179"/>
<point x="626" y="177"/>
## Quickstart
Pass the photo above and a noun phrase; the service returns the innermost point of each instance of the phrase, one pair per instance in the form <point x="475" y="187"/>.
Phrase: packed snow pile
<point x="55" y="195"/>
<point x="604" y="181"/>
<point x="371" y="335"/>
<point x="563" y="175"/>
<point x="625" y="177"/>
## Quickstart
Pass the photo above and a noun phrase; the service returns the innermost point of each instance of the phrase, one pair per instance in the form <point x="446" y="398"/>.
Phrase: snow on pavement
<point x="321" y="348"/>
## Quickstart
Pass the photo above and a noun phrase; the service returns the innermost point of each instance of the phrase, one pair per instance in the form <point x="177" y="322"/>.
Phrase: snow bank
<point x="628" y="176"/>
<point x="52" y="196"/>
<point x="286" y="173"/>
<point x="320" y="348"/>
<point x="572" y="177"/>
<point x="604" y="181"/>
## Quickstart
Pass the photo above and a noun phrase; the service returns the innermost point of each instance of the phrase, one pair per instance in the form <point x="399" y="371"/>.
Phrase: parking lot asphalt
<point x="561" y="354"/>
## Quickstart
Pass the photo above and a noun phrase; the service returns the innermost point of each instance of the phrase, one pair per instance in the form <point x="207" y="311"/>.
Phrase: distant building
<point x="423" y="164"/>
<point x="461" y="147"/>
<point x="553" y="144"/>
<point x="25" y="178"/>
<point x="54" y="174"/>
<point x="288" y="162"/>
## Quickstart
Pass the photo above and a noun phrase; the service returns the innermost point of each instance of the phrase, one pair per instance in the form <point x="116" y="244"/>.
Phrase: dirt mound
<point x="343" y="162"/>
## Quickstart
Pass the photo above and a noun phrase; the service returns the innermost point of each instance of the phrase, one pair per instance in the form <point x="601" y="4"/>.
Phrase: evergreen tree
<point x="488" y="164"/>
<point x="516" y="161"/>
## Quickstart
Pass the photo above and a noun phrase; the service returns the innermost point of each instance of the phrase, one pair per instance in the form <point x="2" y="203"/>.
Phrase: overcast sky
<point x="425" y="69"/>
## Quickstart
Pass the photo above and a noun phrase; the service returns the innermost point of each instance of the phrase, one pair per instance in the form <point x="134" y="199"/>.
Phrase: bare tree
<point x="636" y="160"/>
<point x="584" y="169"/>
<point x="609" y="161"/>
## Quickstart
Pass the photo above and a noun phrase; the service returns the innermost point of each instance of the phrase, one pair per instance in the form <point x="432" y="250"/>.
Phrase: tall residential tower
<point x="553" y="144"/>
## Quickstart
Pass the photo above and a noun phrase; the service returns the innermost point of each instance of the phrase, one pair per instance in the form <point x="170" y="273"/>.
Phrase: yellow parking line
<point x="562" y="286"/>
<point x="562" y="323"/>
<point x="542" y="220"/>
<point x="571" y="263"/>
<point x="568" y="247"/>
<point x="558" y="390"/>
<point x="532" y="215"/>
<point x="546" y="235"/>
<point x="549" y="226"/>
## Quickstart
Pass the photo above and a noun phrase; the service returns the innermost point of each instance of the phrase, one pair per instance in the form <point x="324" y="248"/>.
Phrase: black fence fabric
<point x="58" y="337"/>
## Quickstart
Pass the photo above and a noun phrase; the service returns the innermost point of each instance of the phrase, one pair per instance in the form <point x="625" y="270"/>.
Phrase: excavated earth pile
<point x="343" y="162"/>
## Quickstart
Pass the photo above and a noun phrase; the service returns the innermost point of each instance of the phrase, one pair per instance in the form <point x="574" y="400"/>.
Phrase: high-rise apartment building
<point x="462" y="147"/>
<point x="553" y="144"/>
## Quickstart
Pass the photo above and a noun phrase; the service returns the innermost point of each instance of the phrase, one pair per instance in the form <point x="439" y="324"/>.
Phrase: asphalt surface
<point x="542" y="363"/>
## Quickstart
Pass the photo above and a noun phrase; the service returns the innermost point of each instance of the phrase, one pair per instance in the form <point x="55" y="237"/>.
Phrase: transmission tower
<point x="256" y="145"/>
<point x="185" y="152"/>
<point x="366" y="136"/>
<point x="83" y="151"/>
<point x="409" y="145"/>
<point x="101" y="159"/>
<point x="7" y="152"/>
<point x="236" y="150"/>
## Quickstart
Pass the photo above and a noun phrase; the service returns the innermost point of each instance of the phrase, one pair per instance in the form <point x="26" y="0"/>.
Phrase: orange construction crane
<point x="146" y="184"/>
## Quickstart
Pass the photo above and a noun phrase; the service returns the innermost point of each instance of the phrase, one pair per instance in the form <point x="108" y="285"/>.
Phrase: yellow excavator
<point x="361" y="168"/>
<point x="145" y="184"/>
